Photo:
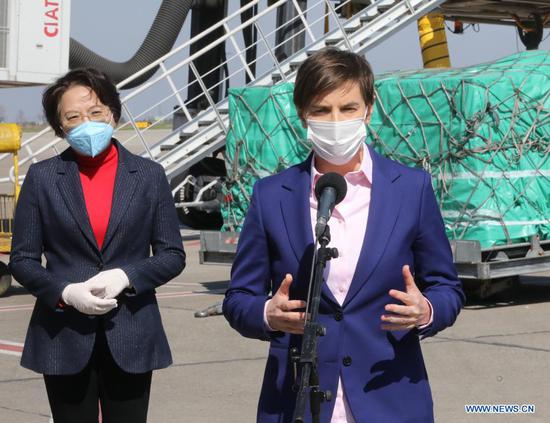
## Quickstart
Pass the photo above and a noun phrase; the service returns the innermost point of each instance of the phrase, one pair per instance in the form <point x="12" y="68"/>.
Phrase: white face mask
<point x="337" y="142"/>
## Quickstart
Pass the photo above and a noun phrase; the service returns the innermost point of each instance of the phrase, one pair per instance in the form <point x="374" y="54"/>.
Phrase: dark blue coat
<point x="383" y="372"/>
<point x="51" y="220"/>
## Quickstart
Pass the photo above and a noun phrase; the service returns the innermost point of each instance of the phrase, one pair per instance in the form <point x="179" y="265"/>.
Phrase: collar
<point x="110" y="154"/>
<point x="67" y="159"/>
<point x="363" y="174"/>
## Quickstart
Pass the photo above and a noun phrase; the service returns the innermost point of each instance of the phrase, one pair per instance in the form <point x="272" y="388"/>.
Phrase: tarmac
<point x="498" y="352"/>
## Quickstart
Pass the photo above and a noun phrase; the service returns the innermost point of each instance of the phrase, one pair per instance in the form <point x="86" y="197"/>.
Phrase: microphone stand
<point x="309" y="380"/>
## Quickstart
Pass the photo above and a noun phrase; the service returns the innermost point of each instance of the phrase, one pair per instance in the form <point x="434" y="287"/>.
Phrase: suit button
<point x="346" y="361"/>
<point x="100" y="266"/>
<point x="338" y="316"/>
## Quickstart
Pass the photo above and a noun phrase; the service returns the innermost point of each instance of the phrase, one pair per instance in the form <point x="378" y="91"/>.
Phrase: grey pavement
<point x="498" y="352"/>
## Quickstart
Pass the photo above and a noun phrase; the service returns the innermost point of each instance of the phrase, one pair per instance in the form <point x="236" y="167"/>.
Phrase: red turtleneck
<point x="97" y="175"/>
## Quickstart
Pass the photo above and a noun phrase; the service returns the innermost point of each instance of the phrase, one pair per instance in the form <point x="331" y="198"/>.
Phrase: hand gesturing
<point x="279" y="310"/>
<point x="415" y="312"/>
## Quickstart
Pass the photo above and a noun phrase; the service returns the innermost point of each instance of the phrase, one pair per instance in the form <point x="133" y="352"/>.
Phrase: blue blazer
<point x="51" y="219"/>
<point x="383" y="372"/>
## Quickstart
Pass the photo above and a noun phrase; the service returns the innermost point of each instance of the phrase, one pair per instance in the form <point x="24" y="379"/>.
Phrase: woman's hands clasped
<point x="81" y="296"/>
<point x="96" y="295"/>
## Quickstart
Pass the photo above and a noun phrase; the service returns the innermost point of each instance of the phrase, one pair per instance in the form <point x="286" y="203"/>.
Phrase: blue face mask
<point x="90" y="138"/>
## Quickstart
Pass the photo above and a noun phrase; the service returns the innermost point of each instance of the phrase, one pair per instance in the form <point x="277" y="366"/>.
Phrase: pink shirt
<point x="348" y="226"/>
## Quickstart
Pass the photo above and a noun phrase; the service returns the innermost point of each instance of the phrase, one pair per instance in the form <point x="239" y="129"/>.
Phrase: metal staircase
<point x="203" y="134"/>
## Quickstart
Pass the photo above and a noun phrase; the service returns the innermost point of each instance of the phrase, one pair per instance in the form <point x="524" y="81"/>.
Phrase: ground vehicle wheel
<point x="5" y="278"/>
<point x="203" y="173"/>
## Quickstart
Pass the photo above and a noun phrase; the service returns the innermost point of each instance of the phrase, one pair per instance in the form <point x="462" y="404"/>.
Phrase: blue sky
<point x="115" y="30"/>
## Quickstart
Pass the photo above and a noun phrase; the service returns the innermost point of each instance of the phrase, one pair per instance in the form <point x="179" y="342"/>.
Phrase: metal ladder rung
<point x="276" y="75"/>
<point x="297" y="61"/>
<point x="353" y="26"/>
<point x="183" y="136"/>
<point x="202" y="136"/>
<point x="211" y="118"/>
<point x="319" y="45"/>
<point x="371" y="14"/>
<point x="204" y="150"/>
<point x="190" y="152"/>
<point x="366" y="18"/>
<point x="384" y="8"/>
<point x="333" y="41"/>
<point x="207" y="122"/>
<point x="167" y="147"/>
<point x="276" y="78"/>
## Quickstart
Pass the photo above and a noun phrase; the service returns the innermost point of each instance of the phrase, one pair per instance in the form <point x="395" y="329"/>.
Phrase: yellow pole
<point x="433" y="41"/>
<point x="16" y="174"/>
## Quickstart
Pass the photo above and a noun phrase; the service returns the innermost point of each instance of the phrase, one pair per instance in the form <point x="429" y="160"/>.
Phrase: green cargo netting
<point x="482" y="132"/>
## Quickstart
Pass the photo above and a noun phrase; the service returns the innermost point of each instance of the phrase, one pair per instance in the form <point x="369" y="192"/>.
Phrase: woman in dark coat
<point x="95" y="212"/>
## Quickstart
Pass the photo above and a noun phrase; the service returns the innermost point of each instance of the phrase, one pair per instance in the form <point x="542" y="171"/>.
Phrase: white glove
<point x="80" y="296"/>
<point x="108" y="284"/>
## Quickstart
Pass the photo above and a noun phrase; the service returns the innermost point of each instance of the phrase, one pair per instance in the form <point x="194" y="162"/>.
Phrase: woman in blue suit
<point x="393" y="282"/>
<point x="95" y="212"/>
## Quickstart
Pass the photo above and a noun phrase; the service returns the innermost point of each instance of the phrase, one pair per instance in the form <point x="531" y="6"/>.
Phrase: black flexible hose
<point x="159" y="40"/>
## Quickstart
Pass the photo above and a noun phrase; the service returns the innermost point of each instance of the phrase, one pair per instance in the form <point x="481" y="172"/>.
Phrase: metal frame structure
<point x="501" y="261"/>
<point x="484" y="272"/>
<point x="492" y="11"/>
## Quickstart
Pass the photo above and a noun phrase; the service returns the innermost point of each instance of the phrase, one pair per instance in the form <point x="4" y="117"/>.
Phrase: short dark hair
<point x="92" y="78"/>
<point x="326" y="70"/>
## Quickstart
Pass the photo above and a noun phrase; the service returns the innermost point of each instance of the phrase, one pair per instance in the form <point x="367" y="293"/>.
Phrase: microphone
<point x="330" y="189"/>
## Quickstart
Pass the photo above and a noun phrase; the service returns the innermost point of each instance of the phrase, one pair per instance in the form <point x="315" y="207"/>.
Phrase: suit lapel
<point x="296" y="213"/>
<point x="383" y="212"/>
<point x="295" y="209"/>
<point x="125" y="185"/>
<point x="71" y="190"/>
